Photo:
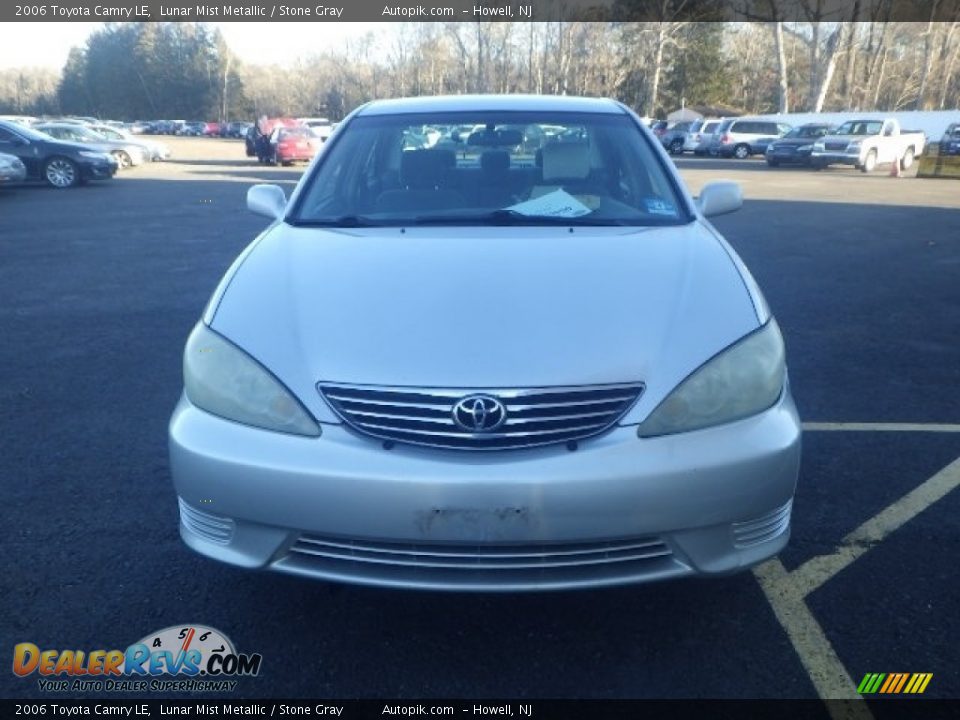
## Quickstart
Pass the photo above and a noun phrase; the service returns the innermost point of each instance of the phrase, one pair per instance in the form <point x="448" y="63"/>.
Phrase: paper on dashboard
<point x="558" y="203"/>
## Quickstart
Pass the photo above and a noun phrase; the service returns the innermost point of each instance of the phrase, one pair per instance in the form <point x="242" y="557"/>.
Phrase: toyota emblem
<point x="479" y="413"/>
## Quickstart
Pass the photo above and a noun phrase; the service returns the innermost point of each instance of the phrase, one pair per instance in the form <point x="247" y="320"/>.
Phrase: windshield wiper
<point x="505" y="216"/>
<point x="343" y="221"/>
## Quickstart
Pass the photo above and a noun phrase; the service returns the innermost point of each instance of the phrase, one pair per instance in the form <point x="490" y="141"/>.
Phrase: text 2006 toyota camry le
<point x="489" y="343"/>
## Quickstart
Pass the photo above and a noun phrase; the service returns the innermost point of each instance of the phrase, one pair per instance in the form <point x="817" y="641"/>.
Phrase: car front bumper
<point x="98" y="170"/>
<point x="620" y="509"/>
<point x="12" y="174"/>
<point x="834" y="158"/>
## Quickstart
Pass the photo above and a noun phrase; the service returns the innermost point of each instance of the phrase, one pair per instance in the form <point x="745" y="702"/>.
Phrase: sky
<point x="47" y="44"/>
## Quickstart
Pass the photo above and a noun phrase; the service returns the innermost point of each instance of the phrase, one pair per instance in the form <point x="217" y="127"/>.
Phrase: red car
<point x="211" y="129"/>
<point x="290" y="144"/>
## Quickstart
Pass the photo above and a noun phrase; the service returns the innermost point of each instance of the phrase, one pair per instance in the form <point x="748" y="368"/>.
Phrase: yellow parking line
<point x="881" y="427"/>
<point x="816" y="571"/>
<point x="817" y="655"/>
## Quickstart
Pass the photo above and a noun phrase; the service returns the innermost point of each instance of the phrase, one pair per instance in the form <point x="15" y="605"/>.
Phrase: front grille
<point x="531" y="417"/>
<point x="486" y="567"/>
<point x="836" y="146"/>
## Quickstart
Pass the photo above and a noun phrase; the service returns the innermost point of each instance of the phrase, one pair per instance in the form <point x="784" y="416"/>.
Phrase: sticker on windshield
<point x="555" y="204"/>
<point x="657" y="206"/>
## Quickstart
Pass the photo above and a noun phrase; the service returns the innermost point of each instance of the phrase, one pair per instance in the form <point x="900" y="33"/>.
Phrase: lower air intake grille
<point x="763" y="528"/>
<point x="481" y="419"/>
<point x="211" y="527"/>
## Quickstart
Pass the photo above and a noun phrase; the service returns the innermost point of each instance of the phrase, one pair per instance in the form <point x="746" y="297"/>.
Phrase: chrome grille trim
<point x="760" y="530"/>
<point x="480" y="557"/>
<point x="211" y="527"/>
<point x="534" y="416"/>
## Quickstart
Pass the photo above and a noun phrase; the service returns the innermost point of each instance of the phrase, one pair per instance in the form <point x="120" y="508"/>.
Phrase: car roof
<point x="467" y="103"/>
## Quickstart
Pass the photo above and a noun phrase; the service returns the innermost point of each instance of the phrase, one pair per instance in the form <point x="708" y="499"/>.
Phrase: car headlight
<point x="743" y="380"/>
<point x="818" y="146"/>
<point x="804" y="148"/>
<point x="222" y="379"/>
<point x="855" y="145"/>
<point x="93" y="155"/>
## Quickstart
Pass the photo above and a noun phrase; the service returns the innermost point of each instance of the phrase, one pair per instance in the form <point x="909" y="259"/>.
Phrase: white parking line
<point x="787" y="592"/>
<point x="827" y="673"/>
<point x="816" y="571"/>
<point x="882" y="427"/>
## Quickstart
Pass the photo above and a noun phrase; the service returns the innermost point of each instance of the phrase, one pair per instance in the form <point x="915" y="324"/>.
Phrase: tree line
<point x="187" y="71"/>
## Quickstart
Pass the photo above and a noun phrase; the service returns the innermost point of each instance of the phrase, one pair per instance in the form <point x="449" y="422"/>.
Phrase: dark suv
<point x="950" y="142"/>
<point x="60" y="164"/>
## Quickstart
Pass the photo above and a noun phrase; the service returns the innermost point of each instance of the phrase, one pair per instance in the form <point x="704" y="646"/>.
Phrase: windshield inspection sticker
<point x="556" y="204"/>
<point x="656" y="206"/>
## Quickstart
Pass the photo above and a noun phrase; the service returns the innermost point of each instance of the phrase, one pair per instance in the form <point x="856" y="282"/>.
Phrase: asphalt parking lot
<point x="101" y="285"/>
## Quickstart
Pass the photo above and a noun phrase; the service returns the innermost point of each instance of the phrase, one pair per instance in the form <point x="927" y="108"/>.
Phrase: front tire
<point x="870" y="163"/>
<point x="123" y="160"/>
<point x="907" y="160"/>
<point x="61" y="173"/>
<point x="741" y="152"/>
<point x="676" y="147"/>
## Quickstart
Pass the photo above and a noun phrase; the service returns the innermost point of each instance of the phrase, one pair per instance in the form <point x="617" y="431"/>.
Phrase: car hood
<point x="794" y="142"/>
<point x="485" y="307"/>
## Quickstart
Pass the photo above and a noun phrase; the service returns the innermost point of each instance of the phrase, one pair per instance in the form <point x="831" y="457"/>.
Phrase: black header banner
<point x="478" y="10"/>
<point x="63" y="707"/>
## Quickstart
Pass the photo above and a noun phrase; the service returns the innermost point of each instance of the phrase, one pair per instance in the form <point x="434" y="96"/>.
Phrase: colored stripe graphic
<point x="894" y="683"/>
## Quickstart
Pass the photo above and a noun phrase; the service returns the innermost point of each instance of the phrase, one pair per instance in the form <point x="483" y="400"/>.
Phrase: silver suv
<point x="697" y="133"/>
<point x="743" y="137"/>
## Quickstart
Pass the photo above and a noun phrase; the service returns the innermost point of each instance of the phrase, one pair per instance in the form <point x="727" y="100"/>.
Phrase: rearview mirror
<point x="267" y="200"/>
<point x="720" y="197"/>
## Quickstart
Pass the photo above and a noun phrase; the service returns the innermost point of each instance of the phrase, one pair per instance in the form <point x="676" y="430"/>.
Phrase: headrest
<point x="495" y="161"/>
<point x="424" y="169"/>
<point x="566" y="161"/>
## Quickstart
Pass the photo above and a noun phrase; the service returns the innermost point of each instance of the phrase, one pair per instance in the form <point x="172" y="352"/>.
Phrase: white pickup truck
<point x="868" y="143"/>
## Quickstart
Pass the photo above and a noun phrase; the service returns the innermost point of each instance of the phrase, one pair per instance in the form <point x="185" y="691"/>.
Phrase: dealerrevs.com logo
<point x="178" y="658"/>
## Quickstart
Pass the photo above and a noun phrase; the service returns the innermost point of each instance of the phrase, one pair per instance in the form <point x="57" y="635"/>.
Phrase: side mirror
<point x="267" y="200"/>
<point x="720" y="197"/>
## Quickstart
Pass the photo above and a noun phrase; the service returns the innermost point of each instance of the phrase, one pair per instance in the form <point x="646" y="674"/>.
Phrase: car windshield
<point x="85" y="134"/>
<point x="709" y="128"/>
<point x="810" y="131"/>
<point x="482" y="168"/>
<point x="953" y="131"/>
<point x="860" y="127"/>
<point x="26" y="132"/>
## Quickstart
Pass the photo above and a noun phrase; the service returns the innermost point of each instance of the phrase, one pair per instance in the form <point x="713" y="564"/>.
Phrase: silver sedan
<point x="483" y="365"/>
<point x="12" y="169"/>
<point x="127" y="154"/>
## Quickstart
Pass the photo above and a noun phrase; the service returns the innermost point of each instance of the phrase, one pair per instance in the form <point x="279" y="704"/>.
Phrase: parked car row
<point x="128" y="148"/>
<point x="862" y="143"/>
<point x="60" y="163"/>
